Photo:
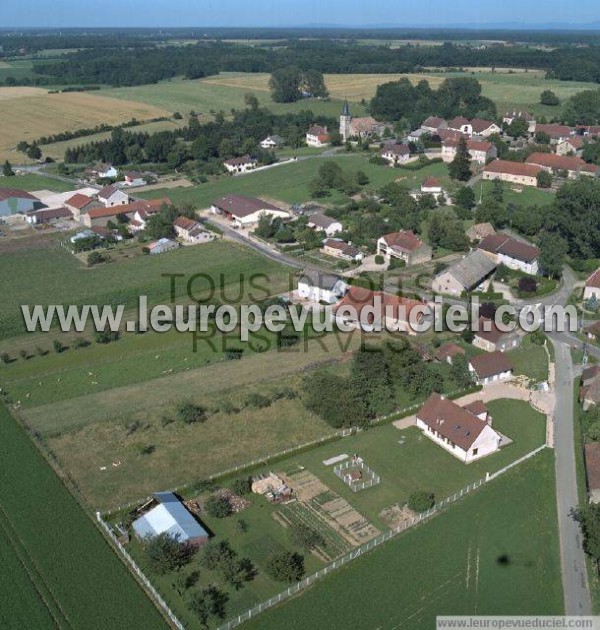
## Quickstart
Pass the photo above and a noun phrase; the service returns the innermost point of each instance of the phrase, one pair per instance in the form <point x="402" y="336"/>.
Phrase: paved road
<point x="572" y="557"/>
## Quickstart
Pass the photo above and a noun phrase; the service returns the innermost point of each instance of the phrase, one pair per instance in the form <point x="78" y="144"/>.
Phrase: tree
<point x="7" y="170"/>
<point x="285" y="566"/>
<point x="460" y="167"/>
<point x="166" y="553"/>
<point x="583" y="108"/>
<point x="34" y="153"/>
<point x="548" y="97"/>
<point x="190" y="413"/>
<point x="554" y="251"/>
<point x="464" y="197"/>
<point x="589" y="518"/>
<point x="518" y="128"/>
<point x="306" y="537"/>
<point x="285" y="85"/>
<point x="218" y="506"/>
<point x="527" y="284"/>
<point x="216" y="553"/>
<point x="208" y="603"/>
<point x="544" y="179"/>
<point x="242" y="485"/>
<point x="420" y="501"/>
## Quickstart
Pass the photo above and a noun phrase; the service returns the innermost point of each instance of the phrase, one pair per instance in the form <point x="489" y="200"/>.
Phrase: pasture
<point x="34" y="112"/>
<point x="57" y="569"/>
<point x="496" y="550"/>
<point x="49" y="274"/>
<point x="34" y="181"/>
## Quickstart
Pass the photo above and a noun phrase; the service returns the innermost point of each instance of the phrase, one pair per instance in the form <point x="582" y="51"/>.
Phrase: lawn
<point x="57" y="569"/>
<point x="518" y="195"/>
<point x="530" y="359"/>
<point x="290" y="182"/>
<point x="49" y="274"/>
<point x="495" y="551"/>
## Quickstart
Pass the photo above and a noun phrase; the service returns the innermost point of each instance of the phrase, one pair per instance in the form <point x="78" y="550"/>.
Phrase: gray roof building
<point x="468" y="272"/>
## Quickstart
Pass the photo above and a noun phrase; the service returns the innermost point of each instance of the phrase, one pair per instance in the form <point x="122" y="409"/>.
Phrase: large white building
<point x="245" y="211"/>
<point x="504" y="249"/>
<point x="321" y="287"/>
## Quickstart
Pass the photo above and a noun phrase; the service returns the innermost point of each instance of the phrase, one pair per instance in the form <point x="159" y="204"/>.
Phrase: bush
<point x="165" y="553"/>
<point x="190" y="413"/>
<point x="106" y="336"/>
<point x="80" y="342"/>
<point x="527" y="284"/>
<point x="242" y="486"/>
<point x="379" y="259"/>
<point x="420" y="501"/>
<point x="57" y="346"/>
<point x="218" y="506"/>
<point x="5" y="357"/>
<point x="95" y="258"/>
<point x="285" y="566"/>
<point x="257" y="400"/>
<point x="24" y="354"/>
<point x="396" y="263"/>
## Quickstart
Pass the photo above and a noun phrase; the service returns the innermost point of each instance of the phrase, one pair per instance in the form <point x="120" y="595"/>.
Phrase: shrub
<point x="165" y="553"/>
<point x="190" y="413"/>
<point x="420" y="501"/>
<point x="57" y="346"/>
<point x="379" y="259"/>
<point x="242" y="486"/>
<point x="106" y="336"/>
<point x="5" y="357"/>
<point x="218" y="506"/>
<point x="257" y="400"/>
<point x="396" y="263"/>
<point x="24" y="354"/>
<point x="285" y="566"/>
<point x="80" y="342"/>
<point x="95" y="258"/>
<point x="527" y="284"/>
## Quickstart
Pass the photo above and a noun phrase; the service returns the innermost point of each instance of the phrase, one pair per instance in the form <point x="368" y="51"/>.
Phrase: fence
<point x="356" y="486"/>
<point x="143" y="579"/>
<point x="359" y="551"/>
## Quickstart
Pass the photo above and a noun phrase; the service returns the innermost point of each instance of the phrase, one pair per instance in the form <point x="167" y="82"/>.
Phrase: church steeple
<point x="346" y="109"/>
<point x="345" y="121"/>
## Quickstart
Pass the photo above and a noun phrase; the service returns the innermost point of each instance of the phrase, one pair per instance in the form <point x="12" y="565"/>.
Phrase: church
<point x="358" y="127"/>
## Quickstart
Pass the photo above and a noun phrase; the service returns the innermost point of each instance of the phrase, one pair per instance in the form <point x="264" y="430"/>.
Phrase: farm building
<point x="592" y="286"/>
<point x="464" y="432"/>
<point x="512" y="172"/>
<point x="553" y="163"/>
<point x="134" y="178"/>
<point x="433" y="124"/>
<point x="321" y="287"/>
<point x="13" y="201"/>
<point x="474" y="127"/>
<point x="340" y="249"/>
<point x="102" y="215"/>
<point x="112" y="196"/>
<point x="479" y="231"/>
<point x="404" y="245"/>
<point x="245" y="211"/>
<point x="162" y="245"/>
<point x="170" y="517"/>
<point x="371" y="311"/>
<point x="242" y="164"/>
<point x="491" y="367"/>
<point x="467" y="274"/>
<point x="322" y="223"/>
<point x="80" y="204"/>
<point x="555" y="132"/>
<point x="507" y="250"/>
<point x="47" y="215"/>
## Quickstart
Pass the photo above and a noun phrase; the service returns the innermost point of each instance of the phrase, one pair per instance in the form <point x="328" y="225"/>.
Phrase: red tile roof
<point x="451" y="421"/>
<point x="561" y="162"/>
<point x="513" y="168"/>
<point x="434" y="122"/>
<point x="448" y="350"/>
<point x="79" y="201"/>
<point x="490" y="364"/>
<point x="477" y="407"/>
<point x="555" y="131"/>
<point x="431" y="182"/>
<point x="185" y="224"/>
<point x="493" y="335"/>
<point x="404" y="241"/>
<point x="594" y="280"/>
<point x="592" y="465"/>
<point x="151" y="205"/>
<point x="238" y="161"/>
<point x="479" y="125"/>
<point x="342" y="246"/>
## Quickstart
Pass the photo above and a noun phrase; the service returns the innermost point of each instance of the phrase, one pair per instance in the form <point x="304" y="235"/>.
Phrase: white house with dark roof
<point x="321" y="287"/>
<point x="272" y="142"/>
<point x="245" y="211"/>
<point x="395" y="153"/>
<point x="404" y="245"/>
<point x="465" y="432"/>
<point x="491" y="367"/>
<point x="511" y="252"/>
<point x="242" y="164"/>
<point x="320" y="222"/>
<point x="112" y="196"/>
<point x="340" y="249"/>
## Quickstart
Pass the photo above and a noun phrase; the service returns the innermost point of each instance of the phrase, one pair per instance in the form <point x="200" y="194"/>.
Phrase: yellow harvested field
<point x="28" y="113"/>
<point x="354" y="87"/>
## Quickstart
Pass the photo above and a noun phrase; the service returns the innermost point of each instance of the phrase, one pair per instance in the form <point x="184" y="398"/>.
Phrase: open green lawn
<point x="495" y="551"/>
<point x="518" y="195"/>
<point x="289" y="182"/>
<point x="57" y="569"/>
<point x="33" y="181"/>
<point x="531" y="360"/>
<point x="49" y="274"/>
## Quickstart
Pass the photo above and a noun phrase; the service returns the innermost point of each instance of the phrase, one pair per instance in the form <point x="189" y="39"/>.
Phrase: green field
<point x="33" y="181"/>
<point x="206" y="96"/>
<point x="517" y="195"/>
<point x="494" y="552"/>
<point x="57" y="570"/>
<point x="49" y="274"/>
<point x="531" y="360"/>
<point x="289" y="182"/>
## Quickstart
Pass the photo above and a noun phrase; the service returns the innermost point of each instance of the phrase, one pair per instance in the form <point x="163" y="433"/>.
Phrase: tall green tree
<point x="460" y="167"/>
<point x="554" y="252"/>
<point x="7" y="170"/>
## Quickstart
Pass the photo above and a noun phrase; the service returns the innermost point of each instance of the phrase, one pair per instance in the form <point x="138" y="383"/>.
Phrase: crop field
<point x="34" y="112"/>
<point x="51" y="275"/>
<point x="290" y="182"/>
<point x="219" y="93"/>
<point x="495" y="551"/>
<point x="45" y="539"/>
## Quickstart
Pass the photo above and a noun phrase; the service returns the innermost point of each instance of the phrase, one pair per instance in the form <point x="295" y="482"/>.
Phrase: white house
<point x="240" y="164"/>
<point x="318" y="136"/>
<point x="321" y="287"/>
<point x="322" y="223"/>
<point x="191" y="231"/>
<point x="480" y="150"/>
<point x="395" y="153"/>
<point x="592" y="286"/>
<point x="570" y="146"/>
<point x="272" y="142"/>
<point x="464" y="432"/>
<point x="404" y="245"/>
<point x="340" y="249"/>
<point x="102" y="171"/>
<point x="134" y="178"/>
<point x="245" y="211"/>
<point x="490" y="338"/>
<point x="515" y="254"/>
<point x="474" y="127"/>
<point x="113" y="196"/>
<point x="491" y="367"/>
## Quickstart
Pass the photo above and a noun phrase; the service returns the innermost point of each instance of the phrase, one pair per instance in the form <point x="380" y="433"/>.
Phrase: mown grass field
<point x="57" y="569"/>
<point x="33" y="181"/>
<point x="33" y="112"/>
<point x="497" y="550"/>
<point x="49" y="274"/>
<point x="220" y="93"/>
<point x="290" y="182"/>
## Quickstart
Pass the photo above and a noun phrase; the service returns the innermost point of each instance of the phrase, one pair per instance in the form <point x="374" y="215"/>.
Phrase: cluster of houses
<point x="102" y="171"/>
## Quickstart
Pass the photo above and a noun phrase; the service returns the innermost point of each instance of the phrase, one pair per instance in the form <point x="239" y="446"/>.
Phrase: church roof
<point x="346" y="109"/>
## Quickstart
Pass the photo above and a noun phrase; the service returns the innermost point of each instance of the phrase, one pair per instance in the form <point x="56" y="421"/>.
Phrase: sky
<point x="188" y="13"/>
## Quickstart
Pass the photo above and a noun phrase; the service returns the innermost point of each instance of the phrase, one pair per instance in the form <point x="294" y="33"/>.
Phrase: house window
<point x="475" y="450"/>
